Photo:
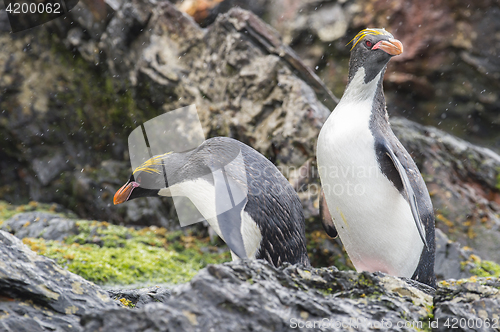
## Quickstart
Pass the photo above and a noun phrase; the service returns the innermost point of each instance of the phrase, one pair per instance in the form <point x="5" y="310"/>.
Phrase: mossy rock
<point x="110" y="254"/>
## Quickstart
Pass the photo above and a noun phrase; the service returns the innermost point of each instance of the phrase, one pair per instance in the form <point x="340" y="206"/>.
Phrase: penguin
<point x="261" y="218"/>
<point x="376" y="196"/>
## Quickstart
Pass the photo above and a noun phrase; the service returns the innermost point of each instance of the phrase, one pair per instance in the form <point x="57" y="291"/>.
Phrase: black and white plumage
<point x="375" y="194"/>
<point x="266" y="223"/>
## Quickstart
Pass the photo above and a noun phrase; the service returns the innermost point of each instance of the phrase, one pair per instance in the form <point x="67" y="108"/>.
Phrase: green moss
<point x="486" y="269"/>
<point x="430" y="309"/>
<point x="427" y="320"/>
<point x="110" y="254"/>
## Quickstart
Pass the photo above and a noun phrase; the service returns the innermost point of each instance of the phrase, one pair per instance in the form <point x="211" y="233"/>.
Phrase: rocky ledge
<point x="38" y="295"/>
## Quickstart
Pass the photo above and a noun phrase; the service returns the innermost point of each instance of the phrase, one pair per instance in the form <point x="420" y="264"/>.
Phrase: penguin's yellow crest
<point x="363" y="33"/>
<point x="149" y="165"/>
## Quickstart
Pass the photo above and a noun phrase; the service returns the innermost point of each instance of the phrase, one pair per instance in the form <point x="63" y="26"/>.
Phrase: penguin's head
<point x="150" y="178"/>
<point x="156" y="175"/>
<point x="371" y="50"/>
<point x="132" y="189"/>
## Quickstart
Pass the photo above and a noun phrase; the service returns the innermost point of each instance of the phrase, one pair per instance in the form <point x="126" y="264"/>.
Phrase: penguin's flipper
<point x="230" y="200"/>
<point x="326" y="217"/>
<point x="412" y="199"/>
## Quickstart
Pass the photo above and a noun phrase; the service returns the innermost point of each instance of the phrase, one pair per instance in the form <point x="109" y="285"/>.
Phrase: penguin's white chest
<point x="373" y="219"/>
<point x="202" y="195"/>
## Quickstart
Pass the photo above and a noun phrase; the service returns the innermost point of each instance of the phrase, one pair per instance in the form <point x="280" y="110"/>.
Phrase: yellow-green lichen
<point x="480" y="268"/>
<point x="110" y="254"/>
<point x="127" y="303"/>
<point x="486" y="269"/>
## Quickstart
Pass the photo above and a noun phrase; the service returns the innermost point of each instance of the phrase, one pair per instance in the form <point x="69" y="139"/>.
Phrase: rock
<point x="48" y="226"/>
<point x="473" y="305"/>
<point x="454" y="262"/>
<point x="206" y="12"/>
<point x="462" y="180"/>
<point x="449" y="256"/>
<point x="140" y="297"/>
<point x="38" y="295"/>
<point x="295" y="20"/>
<point x="254" y="296"/>
<point x="49" y="167"/>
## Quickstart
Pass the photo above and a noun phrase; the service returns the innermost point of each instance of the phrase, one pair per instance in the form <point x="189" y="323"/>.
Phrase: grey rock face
<point x="470" y="306"/>
<point x="141" y="297"/>
<point x="254" y="296"/>
<point x="48" y="168"/>
<point x="462" y="180"/>
<point x="38" y="295"/>
<point x="449" y="257"/>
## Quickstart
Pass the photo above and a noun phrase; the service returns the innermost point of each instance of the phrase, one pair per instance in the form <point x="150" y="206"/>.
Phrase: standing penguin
<point x="375" y="194"/>
<point x="241" y="194"/>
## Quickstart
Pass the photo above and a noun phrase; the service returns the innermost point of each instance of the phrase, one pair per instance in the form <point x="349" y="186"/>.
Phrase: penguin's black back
<point x="273" y="200"/>
<point x="273" y="204"/>
<point x="381" y="131"/>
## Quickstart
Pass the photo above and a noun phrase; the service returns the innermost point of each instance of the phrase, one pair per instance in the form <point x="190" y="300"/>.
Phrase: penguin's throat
<point x="358" y="91"/>
<point x="166" y="192"/>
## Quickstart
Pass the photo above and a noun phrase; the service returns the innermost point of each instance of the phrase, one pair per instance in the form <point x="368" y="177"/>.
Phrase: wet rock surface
<point x="140" y="297"/>
<point x="252" y="295"/>
<point x="38" y="295"/>
<point x="447" y="75"/>
<point x="450" y="259"/>
<point x="469" y="306"/>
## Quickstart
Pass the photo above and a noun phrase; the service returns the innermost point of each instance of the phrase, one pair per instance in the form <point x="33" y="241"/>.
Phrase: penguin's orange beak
<point x="124" y="192"/>
<point x="391" y="46"/>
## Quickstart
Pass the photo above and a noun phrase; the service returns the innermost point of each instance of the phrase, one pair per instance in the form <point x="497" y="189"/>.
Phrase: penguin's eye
<point x="368" y="43"/>
<point x="138" y="179"/>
